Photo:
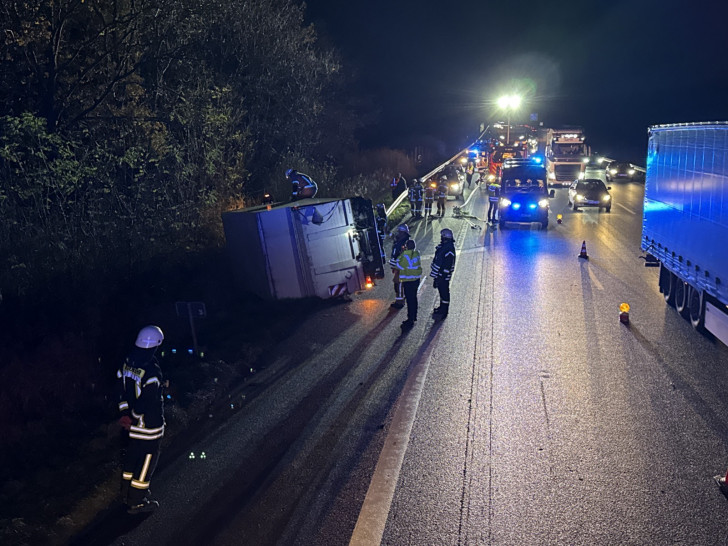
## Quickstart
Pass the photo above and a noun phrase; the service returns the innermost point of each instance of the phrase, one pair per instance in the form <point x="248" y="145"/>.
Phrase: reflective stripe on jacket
<point x="409" y="265"/>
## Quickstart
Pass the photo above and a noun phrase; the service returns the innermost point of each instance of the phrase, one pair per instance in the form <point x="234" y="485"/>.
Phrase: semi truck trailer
<point x="309" y="248"/>
<point x="685" y="220"/>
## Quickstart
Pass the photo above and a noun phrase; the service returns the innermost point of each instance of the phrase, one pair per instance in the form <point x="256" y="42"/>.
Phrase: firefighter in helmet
<point x="493" y="198"/>
<point x="417" y="194"/>
<point x="401" y="236"/>
<point x="443" y="265"/>
<point x="303" y="186"/>
<point x="441" y="195"/>
<point x="409" y="265"/>
<point x="430" y="192"/>
<point x="141" y="403"/>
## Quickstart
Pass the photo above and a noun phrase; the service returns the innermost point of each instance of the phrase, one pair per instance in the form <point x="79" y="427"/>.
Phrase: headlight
<point x="631" y="171"/>
<point x="505" y="202"/>
<point x="543" y="203"/>
<point x="454" y="186"/>
<point x="606" y="198"/>
<point x="491" y="177"/>
<point x="579" y="197"/>
<point x="612" y="171"/>
<point x="585" y="160"/>
<point x="552" y="176"/>
<point x="581" y="176"/>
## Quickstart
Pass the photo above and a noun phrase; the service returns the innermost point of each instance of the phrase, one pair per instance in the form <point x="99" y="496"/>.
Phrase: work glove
<point x="125" y="422"/>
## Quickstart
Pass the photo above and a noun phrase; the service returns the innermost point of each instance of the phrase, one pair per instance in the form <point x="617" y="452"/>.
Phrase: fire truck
<point x="566" y="155"/>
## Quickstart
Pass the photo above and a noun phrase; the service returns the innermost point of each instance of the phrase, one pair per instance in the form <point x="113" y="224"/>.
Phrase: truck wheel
<point x="668" y="288"/>
<point x="681" y="297"/>
<point x="696" y="308"/>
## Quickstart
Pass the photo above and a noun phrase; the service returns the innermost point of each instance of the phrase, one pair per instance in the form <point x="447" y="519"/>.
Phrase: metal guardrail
<point x="402" y="196"/>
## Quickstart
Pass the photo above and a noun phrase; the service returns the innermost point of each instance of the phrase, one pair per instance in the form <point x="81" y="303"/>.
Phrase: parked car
<point x="455" y="180"/>
<point x="618" y="170"/>
<point x="590" y="192"/>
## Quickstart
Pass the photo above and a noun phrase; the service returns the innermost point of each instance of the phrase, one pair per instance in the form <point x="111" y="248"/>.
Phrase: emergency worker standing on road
<point x="401" y="236"/>
<point x="303" y="186"/>
<point x="441" y="195"/>
<point x="410" y="273"/>
<point x="430" y="191"/>
<point x="493" y="197"/>
<point x="469" y="172"/>
<point x="140" y="386"/>
<point x="443" y="266"/>
<point x="418" y="192"/>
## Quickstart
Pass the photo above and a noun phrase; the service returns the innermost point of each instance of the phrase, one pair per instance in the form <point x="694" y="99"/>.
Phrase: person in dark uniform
<point x="443" y="265"/>
<point x="418" y="193"/>
<point x="430" y="191"/>
<point x="410" y="272"/>
<point x="140" y="386"/>
<point x="303" y="186"/>
<point x="401" y="236"/>
<point x="441" y="195"/>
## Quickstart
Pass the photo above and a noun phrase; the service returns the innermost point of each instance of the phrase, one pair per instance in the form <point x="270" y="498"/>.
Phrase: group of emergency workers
<point x="417" y="195"/>
<point x="406" y="263"/>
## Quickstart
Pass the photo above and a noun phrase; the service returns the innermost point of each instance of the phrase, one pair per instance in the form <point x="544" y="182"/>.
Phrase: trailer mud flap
<point x="716" y="322"/>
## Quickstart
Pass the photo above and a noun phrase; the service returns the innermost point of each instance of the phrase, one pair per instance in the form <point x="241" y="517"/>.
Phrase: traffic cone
<point x="624" y="313"/>
<point x="583" y="253"/>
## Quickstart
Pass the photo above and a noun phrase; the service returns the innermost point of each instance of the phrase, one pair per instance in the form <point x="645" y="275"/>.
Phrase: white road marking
<point x="369" y="527"/>
<point x="594" y="279"/>
<point x="625" y="208"/>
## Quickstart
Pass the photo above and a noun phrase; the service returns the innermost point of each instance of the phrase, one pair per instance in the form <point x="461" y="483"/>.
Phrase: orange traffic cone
<point x="583" y="253"/>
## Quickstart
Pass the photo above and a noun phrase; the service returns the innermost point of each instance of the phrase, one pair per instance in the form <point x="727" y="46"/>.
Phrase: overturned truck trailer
<point x="309" y="248"/>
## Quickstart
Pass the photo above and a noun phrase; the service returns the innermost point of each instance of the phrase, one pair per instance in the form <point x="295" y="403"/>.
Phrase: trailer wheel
<point x="682" y="291"/>
<point x="696" y="308"/>
<point x="668" y="287"/>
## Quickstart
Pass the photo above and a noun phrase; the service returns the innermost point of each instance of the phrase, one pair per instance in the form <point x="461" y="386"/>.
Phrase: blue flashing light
<point x="532" y="205"/>
<point x="190" y="351"/>
<point x="537" y="159"/>
<point x="174" y="351"/>
<point x="516" y="206"/>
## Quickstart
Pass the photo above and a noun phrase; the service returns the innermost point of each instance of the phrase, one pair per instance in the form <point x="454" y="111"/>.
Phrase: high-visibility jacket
<point x="409" y="265"/>
<point x="442" y="190"/>
<point x="430" y="194"/>
<point x="493" y="192"/>
<point x="417" y="191"/>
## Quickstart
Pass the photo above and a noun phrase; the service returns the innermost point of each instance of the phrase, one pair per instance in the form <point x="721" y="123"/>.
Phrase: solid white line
<point x="375" y="510"/>
<point x="625" y="208"/>
<point x="372" y="519"/>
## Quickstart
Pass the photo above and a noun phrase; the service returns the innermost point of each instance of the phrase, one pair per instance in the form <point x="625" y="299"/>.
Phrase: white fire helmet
<point x="403" y="229"/>
<point x="149" y="336"/>
<point x="446" y="234"/>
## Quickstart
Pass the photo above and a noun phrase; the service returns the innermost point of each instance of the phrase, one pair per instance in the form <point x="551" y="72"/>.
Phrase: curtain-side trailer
<point x="685" y="220"/>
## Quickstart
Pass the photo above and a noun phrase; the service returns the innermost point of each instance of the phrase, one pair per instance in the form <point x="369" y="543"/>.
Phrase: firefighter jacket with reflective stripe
<point x="430" y="193"/>
<point x="442" y="190"/>
<point x="303" y="186"/>
<point x="444" y="262"/>
<point x="140" y="386"/>
<point x="493" y="192"/>
<point x="397" y="248"/>
<point x="409" y="265"/>
<point x="415" y="193"/>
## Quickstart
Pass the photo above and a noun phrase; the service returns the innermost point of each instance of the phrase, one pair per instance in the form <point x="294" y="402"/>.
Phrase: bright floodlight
<point x="509" y="102"/>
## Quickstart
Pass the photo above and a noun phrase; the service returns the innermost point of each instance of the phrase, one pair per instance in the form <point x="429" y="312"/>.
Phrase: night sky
<point x="613" y="67"/>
